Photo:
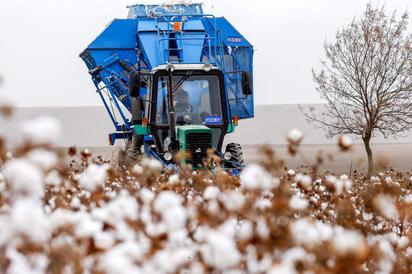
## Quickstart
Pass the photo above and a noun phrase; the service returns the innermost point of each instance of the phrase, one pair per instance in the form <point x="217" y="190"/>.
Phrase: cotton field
<point x="92" y="216"/>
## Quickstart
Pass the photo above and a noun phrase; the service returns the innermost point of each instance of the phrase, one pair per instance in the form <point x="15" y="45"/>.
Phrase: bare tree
<point x="366" y="79"/>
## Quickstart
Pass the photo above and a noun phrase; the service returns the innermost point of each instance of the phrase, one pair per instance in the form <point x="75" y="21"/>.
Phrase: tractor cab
<point x="188" y="112"/>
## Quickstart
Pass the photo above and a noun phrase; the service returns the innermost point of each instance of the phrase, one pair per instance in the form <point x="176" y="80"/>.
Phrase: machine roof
<point x="139" y="10"/>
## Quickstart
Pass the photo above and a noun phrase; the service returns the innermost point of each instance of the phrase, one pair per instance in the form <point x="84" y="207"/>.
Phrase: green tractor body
<point x="195" y="142"/>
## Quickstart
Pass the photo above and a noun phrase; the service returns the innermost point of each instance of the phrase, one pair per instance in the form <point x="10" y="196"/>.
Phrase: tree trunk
<point x="366" y="142"/>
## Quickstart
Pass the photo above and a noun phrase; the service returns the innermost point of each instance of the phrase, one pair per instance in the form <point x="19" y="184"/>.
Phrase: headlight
<point x="170" y="68"/>
<point x="227" y="156"/>
<point x="168" y="156"/>
<point x="207" y="67"/>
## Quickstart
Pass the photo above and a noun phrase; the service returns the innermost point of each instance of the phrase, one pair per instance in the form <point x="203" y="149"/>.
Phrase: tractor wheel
<point x="237" y="155"/>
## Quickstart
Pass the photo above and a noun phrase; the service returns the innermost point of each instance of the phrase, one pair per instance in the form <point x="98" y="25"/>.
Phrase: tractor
<point x="174" y="81"/>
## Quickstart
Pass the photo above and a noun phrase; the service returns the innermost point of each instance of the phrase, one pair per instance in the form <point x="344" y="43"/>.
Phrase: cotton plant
<point x="102" y="219"/>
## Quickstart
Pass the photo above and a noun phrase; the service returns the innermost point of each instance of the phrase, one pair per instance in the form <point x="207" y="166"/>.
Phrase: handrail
<point x="174" y="18"/>
<point x="152" y="10"/>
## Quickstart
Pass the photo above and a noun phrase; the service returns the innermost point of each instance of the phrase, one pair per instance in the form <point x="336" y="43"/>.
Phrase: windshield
<point x="196" y="100"/>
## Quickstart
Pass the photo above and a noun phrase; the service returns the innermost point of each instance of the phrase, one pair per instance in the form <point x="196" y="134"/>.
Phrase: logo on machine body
<point x="235" y="39"/>
<point x="212" y="120"/>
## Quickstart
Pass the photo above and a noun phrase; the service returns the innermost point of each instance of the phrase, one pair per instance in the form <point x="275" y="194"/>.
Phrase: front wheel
<point x="237" y="160"/>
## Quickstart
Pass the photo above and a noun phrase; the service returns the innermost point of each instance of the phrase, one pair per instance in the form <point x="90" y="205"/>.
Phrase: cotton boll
<point x="262" y="204"/>
<point x="75" y="203"/>
<point x="282" y="269"/>
<point x="407" y="198"/>
<point x="386" y="206"/>
<point x="297" y="254"/>
<point x="95" y="176"/>
<point x="41" y="131"/>
<point x="28" y="218"/>
<point x="290" y="259"/>
<point x="174" y="179"/>
<point x="62" y="217"/>
<point x="255" y="265"/>
<point x="2" y="184"/>
<point x="304" y="181"/>
<point x="146" y="195"/>
<point x="331" y="179"/>
<point x="138" y="170"/>
<point x="25" y="178"/>
<point x="388" y="257"/>
<point x="262" y="229"/>
<point x="338" y="185"/>
<point x="295" y="136"/>
<point x="87" y="227"/>
<point x="349" y="242"/>
<point x="291" y="172"/>
<point x="220" y="251"/>
<point x="305" y="232"/>
<point x="104" y="240"/>
<point x="213" y="207"/>
<point x="402" y="242"/>
<point x="7" y="230"/>
<point x="245" y="230"/>
<point x="195" y="268"/>
<point x="169" y="206"/>
<point x="346" y="182"/>
<point x="166" y="200"/>
<point x="170" y="260"/>
<point x="20" y="264"/>
<point x="298" y="203"/>
<point x="200" y="233"/>
<point x="367" y="216"/>
<point x="123" y="207"/>
<point x="375" y="179"/>
<point x="43" y="158"/>
<point x="255" y="177"/>
<point x="308" y="233"/>
<point x="229" y="227"/>
<point x="152" y="165"/>
<point x="233" y="200"/>
<point x="211" y="193"/>
<point x="53" y="178"/>
<point x="345" y="142"/>
<point x="121" y="259"/>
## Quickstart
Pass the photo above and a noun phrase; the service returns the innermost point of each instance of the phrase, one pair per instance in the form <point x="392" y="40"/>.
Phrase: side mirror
<point x="134" y="85"/>
<point x="246" y="84"/>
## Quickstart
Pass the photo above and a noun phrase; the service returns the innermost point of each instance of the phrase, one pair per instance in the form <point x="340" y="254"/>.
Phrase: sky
<point x="40" y="42"/>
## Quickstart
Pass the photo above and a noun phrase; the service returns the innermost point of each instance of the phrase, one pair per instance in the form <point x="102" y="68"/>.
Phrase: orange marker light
<point x="144" y="122"/>
<point x="177" y="26"/>
<point x="236" y="120"/>
<point x="111" y="140"/>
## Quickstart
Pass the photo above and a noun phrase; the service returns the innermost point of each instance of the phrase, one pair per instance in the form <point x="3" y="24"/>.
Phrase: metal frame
<point x="111" y="81"/>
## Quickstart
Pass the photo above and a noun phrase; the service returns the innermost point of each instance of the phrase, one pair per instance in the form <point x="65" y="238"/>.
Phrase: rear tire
<point x="237" y="155"/>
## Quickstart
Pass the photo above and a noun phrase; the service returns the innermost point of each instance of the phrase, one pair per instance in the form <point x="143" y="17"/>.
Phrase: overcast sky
<point x="40" y="42"/>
